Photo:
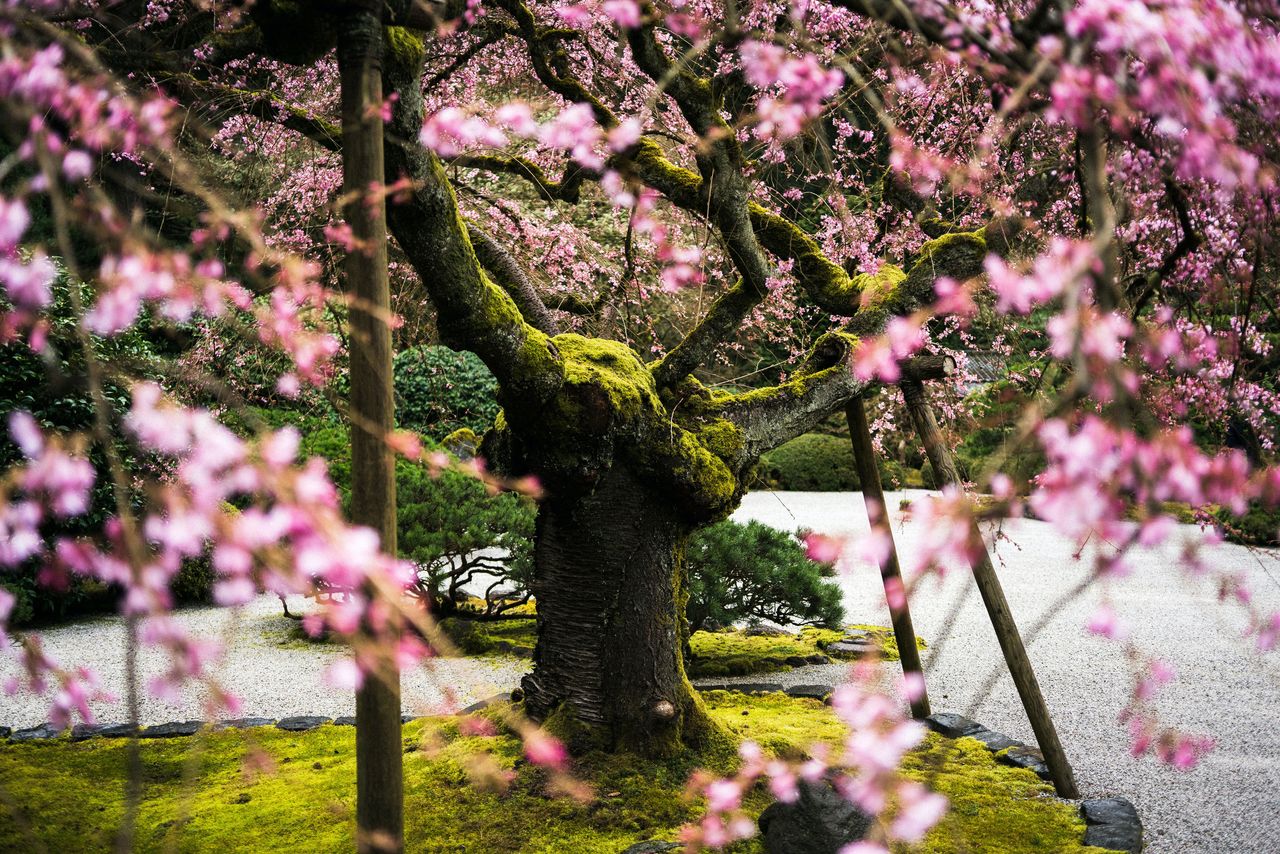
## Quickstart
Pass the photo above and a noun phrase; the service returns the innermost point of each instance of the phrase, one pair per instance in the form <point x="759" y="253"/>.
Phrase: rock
<point x="1112" y="823"/>
<point x="852" y="647"/>
<point x="522" y="651"/>
<point x="813" y="692"/>
<point x="174" y="729"/>
<point x="492" y="699"/>
<point x="652" y="846"/>
<point x="5" y="732"/>
<point x="952" y="725"/>
<point x="35" y="733"/>
<point x="301" y="723"/>
<point x="81" y="732"/>
<point x="819" y="822"/>
<point x="818" y="659"/>
<point x="765" y="632"/>
<point x="995" y="741"/>
<point x="1023" y="756"/>
<point x="754" y="687"/>
<point x="245" y="723"/>
<point x="796" y="660"/>
<point x="502" y="646"/>
<point x="345" y="720"/>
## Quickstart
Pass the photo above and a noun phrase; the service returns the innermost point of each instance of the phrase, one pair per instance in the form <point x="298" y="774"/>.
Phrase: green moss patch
<point x="731" y="652"/>
<point x="268" y="790"/>
<point x="994" y="808"/>
<point x="495" y="637"/>
<point x="736" y="653"/>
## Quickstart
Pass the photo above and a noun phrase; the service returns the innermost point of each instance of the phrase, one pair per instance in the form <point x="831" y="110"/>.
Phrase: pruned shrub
<point x="451" y="528"/>
<point x="752" y="573"/>
<point x="814" y="462"/>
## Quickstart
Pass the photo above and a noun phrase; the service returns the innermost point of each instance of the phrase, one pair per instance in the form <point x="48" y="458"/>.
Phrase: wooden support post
<point x="878" y="515"/>
<point x="984" y="573"/>
<point x="379" y="752"/>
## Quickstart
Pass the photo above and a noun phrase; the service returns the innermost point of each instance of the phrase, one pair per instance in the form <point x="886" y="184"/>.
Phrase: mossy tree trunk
<point x="634" y="455"/>
<point x="608" y="582"/>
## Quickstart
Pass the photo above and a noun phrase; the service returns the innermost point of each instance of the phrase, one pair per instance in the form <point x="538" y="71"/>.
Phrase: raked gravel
<point x="274" y="673"/>
<point x="1229" y="803"/>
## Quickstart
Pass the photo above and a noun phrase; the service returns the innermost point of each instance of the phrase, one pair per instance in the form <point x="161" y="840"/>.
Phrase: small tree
<point x="451" y="528"/>
<point x="455" y="533"/>
<point x="753" y="572"/>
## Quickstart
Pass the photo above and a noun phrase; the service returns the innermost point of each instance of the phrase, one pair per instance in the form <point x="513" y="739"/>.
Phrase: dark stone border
<point x="807" y="692"/>
<point x="1110" y="823"/>
<point x="1005" y="749"/>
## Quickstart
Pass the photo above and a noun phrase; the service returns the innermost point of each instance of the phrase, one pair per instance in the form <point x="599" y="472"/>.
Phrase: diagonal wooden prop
<point x="984" y="574"/>
<point x="877" y="514"/>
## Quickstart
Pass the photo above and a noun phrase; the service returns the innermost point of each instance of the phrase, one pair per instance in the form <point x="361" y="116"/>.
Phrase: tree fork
<point x="878" y="515"/>
<point x="379" y="756"/>
<point x="984" y="573"/>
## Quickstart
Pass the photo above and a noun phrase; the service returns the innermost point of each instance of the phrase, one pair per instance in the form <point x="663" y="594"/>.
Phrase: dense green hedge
<point x="813" y="462"/>
<point x="1257" y="527"/>
<point x="817" y="462"/>
<point x="439" y="390"/>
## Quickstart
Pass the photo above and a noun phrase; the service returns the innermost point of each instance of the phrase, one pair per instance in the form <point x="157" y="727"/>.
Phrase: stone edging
<point x="1111" y="823"/>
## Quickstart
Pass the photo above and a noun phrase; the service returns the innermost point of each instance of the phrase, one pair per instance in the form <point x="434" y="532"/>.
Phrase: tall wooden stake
<point x="878" y="515"/>
<point x="1015" y="654"/>
<point x="379" y="753"/>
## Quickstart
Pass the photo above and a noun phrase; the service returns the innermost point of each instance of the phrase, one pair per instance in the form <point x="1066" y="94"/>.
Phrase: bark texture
<point x="608" y="580"/>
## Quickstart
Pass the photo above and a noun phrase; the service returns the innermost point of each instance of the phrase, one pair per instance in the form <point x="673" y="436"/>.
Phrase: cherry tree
<point x="679" y="234"/>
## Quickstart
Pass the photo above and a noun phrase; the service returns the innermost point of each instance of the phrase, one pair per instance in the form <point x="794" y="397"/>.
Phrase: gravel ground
<point x="1229" y="803"/>
<point x="274" y="673"/>
<point x="1225" y="688"/>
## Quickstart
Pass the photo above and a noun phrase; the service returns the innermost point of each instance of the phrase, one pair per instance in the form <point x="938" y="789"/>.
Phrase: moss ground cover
<point x="722" y="653"/>
<point x="268" y="790"/>
<point x="735" y="653"/>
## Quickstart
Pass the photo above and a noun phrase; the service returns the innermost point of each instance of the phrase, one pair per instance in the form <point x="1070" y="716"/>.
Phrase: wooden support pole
<point x="379" y="752"/>
<point x="878" y="515"/>
<point x="984" y="573"/>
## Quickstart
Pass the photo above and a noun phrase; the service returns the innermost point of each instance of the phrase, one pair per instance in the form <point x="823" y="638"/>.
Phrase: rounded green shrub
<point x="814" y="462"/>
<point x="193" y="585"/>
<point x="439" y="390"/>
<point x="1259" y="526"/>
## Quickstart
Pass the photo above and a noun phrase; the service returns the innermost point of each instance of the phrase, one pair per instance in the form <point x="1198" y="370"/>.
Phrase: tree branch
<point x="720" y="162"/>
<point x="473" y="313"/>
<point x="506" y="271"/>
